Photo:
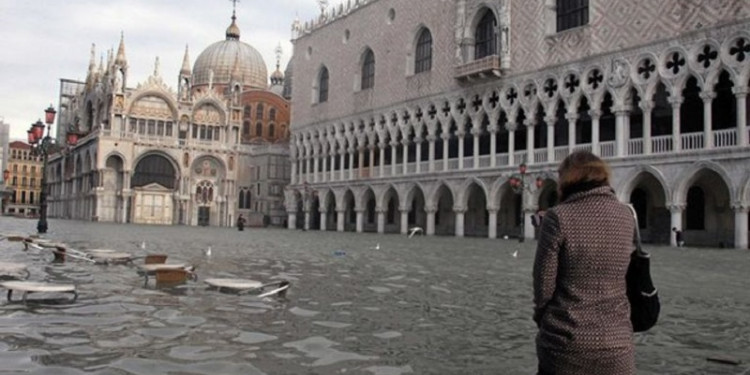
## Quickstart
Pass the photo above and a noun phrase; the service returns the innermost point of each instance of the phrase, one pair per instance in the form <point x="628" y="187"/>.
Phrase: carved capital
<point x="741" y="207"/>
<point x="676" y="208"/>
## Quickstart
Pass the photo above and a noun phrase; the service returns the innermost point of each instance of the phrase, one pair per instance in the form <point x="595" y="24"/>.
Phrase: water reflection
<point x="421" y="305"/>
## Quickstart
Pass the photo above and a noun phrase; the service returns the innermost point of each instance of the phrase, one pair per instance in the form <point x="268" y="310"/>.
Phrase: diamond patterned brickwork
<point x="614" y="25"/>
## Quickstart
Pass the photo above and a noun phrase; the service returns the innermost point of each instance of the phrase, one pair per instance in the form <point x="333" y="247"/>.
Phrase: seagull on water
<point x="143" y="245"/>
<point x="515" y="254"/>
<point x="207" y="252"/>
<point x="377" y="246"/>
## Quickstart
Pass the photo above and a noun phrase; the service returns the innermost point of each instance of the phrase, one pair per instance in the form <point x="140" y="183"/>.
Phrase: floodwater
<point x="425" y="305"/>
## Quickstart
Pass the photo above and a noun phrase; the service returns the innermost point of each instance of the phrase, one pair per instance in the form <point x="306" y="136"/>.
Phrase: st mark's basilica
<point x="215" y="148"/>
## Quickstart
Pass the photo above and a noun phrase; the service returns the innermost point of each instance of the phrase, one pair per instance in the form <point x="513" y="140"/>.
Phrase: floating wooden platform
<point x="28" y="287"/>
<point x="244" y="286"/>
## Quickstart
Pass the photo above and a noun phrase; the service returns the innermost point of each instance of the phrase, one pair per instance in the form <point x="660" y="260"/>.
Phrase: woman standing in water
<point x="580" y="301"/>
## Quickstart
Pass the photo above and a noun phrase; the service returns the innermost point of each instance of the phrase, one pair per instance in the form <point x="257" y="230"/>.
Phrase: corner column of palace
<point x="418" y="142"/>
<point x="340" y="212"/>
<point x="324" y="171"/>
<point x="294" y="179"/>
<point x="676" y="221"/>
<point x="431" y="139"/>
<point x="371" y="168"/>
<point x="361" y="160"/>
<point x="316" y="161"/>
<point x="394" y="156"/>
<point x="493" y="129"/>
<point x="740" y="224"/>
<point x="352" y="167"/>
<point x="476" y="131"/>
<point x="741" y="94"/>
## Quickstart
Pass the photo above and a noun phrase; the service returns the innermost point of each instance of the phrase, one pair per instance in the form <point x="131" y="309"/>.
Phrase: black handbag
<point x="642" y="294"/>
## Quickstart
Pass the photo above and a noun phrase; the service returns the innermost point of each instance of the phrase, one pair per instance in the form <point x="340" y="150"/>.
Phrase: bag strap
<point x="637" y="234"/>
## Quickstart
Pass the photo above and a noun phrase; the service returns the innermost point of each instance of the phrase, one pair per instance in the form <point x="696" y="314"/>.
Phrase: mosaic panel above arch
<point x="208" y="167"/>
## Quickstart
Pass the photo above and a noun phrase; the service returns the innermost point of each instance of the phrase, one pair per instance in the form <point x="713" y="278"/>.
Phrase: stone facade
<point x="154" y="155"/>
<point x="24" y="181"/>
<point x="657" y="88"/>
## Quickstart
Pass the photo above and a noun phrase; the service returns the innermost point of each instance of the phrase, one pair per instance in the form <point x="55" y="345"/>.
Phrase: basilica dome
<point x="228" y="57"/>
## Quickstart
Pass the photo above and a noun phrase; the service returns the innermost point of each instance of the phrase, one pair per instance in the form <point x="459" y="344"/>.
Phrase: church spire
<point x="185" y="63"/>
<point x="120" y="59"/>
<point x="233" y="32"/>
<point x="92" y="59"/>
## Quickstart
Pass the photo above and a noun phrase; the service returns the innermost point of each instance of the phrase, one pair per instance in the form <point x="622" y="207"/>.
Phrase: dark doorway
<point x="204" y="216"/>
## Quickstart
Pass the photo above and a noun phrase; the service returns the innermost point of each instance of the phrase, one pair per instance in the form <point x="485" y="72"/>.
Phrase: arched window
<point x="259" y="129"/>
<point x="323" y="85"/>
<point x="485" y="37"/>
<point x="259" y="112"/>
<point x="246" y="129"/>
<point x="247" y="112"/>
<point x="368" y="70"/>
<point x="271" y="131"/>
<point x="272" y="114"/>
<point x="572" y="13"/>
<point x="423" y="55"/>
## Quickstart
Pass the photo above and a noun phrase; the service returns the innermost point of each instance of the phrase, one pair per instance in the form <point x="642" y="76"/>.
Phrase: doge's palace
<point x="400" y="120"/>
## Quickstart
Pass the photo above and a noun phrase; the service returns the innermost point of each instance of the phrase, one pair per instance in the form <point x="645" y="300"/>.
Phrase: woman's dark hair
<point x="582" y="171"/>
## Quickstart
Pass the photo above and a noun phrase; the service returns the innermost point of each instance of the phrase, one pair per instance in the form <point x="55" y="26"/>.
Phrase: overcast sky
<point x="42" y="41"/>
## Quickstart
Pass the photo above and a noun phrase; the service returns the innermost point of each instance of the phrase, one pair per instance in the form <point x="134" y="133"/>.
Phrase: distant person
<point x="580" y="302"/>
<point x="240" y="223"/>
<point x="678" y="238"/>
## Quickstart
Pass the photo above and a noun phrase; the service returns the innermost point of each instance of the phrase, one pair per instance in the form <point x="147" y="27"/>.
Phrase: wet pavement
<point x="359" y="304"/>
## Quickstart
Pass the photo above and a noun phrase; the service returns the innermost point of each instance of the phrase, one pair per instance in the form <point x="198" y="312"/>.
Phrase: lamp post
<point x="520" y="185"/>
<point x="42" y="145"/>
<point x="4" y="193"/>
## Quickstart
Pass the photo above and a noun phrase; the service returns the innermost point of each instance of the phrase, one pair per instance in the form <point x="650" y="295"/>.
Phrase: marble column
<point x="361" y="163"/>
<point x="445" y="137"/>
<point x="742" y="136"/>
<point x="324" y="172"/>
<point x="316" y="166"/>
<point x="595" y="116"/>
<point x="405" y="149"/>
<point x="572" y="120"/>
<point x="430" y="211"/>
<point x="493" y="145"/>
<point x="333" y="165"/>
<point x="431" y="145"/>
<point x="529" y="142"/>
<point x="294" y="172"/>
<point x="342" y="165"/>
<point x="351" y="163"/>
<point x="307" y="218"/>
<point x="323" y="221"/>
<point x="708" y="134"/>
<point x="381" y="220"/>
<point x="340" y="220"/>
<point x="621" y="142"/>
<point x="550" y="138"/>
<point x="360" y="220"/>
<point x="676" y="221"/>
<point x="646" y="108"/>
<point x="460" y="151"/>
<point x="394" y="157"/>
<point x="372" y="161"/>
<point x="460" y="213"/>
<point x="511" y="144"/>
<point x="291" y="220"/>
<point x="740" y="225"/>
<point x="492" y="226"/>
<point x="418" y="143"/>
<point x="381" y="158"/>
<point x="676" y="137"/>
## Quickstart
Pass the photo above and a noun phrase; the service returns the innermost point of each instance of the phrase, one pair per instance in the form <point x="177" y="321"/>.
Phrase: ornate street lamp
<point x="41" y="146"/>
<point x="520" y="185"/>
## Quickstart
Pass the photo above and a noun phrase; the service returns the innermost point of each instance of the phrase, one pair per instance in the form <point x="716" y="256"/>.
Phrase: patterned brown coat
<point x="581" y="307"/>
